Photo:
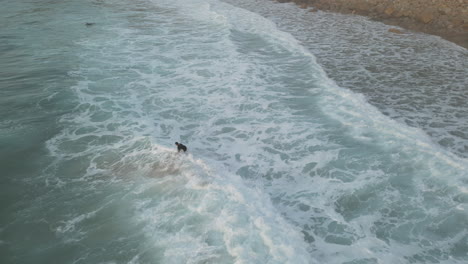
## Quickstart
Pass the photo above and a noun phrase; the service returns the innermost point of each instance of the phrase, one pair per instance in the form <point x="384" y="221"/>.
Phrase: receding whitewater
<point x="358" y="156"/>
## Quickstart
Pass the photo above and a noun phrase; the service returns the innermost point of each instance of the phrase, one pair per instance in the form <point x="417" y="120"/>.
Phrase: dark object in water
<point x="181" y="147"/>
<point x="88" y="24"/>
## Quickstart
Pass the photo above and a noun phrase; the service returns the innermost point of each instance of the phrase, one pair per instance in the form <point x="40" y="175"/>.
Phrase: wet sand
<point x="445" y="18"/>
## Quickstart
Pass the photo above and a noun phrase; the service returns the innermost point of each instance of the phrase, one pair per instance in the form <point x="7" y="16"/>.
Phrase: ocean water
<point x="312" y="137"/>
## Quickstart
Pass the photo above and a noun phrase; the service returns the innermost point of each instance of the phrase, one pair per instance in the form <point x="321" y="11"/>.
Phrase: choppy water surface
<point x="358" y="156"/>
<point x="417" y="79"/>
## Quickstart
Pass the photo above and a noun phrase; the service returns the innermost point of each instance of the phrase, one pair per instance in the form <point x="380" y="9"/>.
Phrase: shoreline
<point x="447" y="19"/>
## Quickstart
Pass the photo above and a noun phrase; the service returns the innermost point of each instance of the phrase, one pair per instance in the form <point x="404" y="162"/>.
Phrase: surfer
<point x="180" y="147"/>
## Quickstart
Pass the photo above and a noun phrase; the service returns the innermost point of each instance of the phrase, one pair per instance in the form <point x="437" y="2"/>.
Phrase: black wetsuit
<point x="181" y="147"/>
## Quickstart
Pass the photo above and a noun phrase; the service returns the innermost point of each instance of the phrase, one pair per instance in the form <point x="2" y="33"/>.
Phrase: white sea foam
<point x="283" y="166"/>
<point x="419" y="85"/>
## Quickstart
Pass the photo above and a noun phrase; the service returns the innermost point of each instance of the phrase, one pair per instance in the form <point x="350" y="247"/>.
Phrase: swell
<point x="281" y="155"/>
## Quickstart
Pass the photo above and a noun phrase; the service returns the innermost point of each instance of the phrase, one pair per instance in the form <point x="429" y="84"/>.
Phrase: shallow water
<point x="297" y="153"/>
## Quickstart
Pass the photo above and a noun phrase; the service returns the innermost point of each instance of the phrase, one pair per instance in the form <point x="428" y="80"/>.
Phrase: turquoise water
<point x="297" y="153"/>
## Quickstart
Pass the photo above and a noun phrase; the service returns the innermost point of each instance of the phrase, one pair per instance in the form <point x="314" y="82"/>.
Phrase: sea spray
<point x="284" y="165"/>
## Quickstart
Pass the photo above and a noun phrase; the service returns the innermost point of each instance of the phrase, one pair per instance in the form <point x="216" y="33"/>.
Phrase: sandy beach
<point x="445" y="18"/>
